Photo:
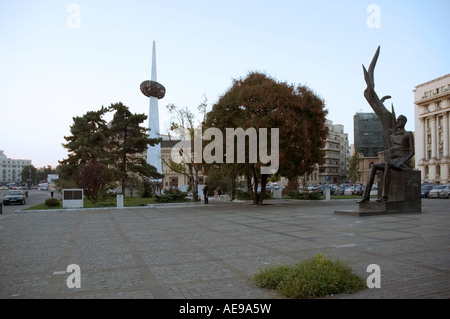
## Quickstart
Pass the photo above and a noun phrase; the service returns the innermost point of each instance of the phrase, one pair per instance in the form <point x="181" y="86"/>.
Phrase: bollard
<point x="120" y="201"/>
<point x="327" y="193"/>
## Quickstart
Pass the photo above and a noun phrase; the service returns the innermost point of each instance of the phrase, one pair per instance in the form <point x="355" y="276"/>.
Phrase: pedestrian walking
<point x="205" y="192"/>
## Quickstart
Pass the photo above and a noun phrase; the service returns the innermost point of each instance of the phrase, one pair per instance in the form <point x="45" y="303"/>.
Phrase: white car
<point x="349" y="191"/>
<point x="374" y="191"/>
<point x="440" y="191"/>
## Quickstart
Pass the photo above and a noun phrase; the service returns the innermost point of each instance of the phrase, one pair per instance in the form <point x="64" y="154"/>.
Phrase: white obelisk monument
<point x="154" y="152"/>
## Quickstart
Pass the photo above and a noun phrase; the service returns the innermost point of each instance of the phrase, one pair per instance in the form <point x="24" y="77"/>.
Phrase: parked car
<point x="374" y="190"/>
<point x="434" y="192"/>
<point x="15" y="197"/>
<point x="322" y="188"/>
<point x="354" y="190"/>
<point x="358" y="190"/>
<point x="341" y="189"/>
<point x="425" y="190"/>
<point x="445" y="192"/>
<point x="348" y="191"/>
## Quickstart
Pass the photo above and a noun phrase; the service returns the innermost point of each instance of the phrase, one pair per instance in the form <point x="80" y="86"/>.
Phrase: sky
<point x="60" y="59"/>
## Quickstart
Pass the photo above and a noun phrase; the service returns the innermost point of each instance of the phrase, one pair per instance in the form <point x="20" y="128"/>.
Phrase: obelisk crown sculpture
<point x="155" y="91"/>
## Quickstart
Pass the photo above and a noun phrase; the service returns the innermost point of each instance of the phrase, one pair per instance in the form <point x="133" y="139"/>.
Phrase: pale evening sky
<point x="60" y="59"/>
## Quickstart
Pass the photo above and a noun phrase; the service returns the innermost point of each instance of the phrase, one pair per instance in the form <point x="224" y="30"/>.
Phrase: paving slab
<point x="197" y="251"/>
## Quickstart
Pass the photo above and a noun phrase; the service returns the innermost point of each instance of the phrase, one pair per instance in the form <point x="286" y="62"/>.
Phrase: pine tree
<point x="87" y="162"/>
<point x="128" y="143"/>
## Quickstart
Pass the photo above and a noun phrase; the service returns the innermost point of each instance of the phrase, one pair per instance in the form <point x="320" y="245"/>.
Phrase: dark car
<point x="425" y="190"/>
<point x="15" y="196"/>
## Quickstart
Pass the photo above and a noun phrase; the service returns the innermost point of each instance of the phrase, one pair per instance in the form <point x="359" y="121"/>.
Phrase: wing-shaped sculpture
<point x="386" y="117"/>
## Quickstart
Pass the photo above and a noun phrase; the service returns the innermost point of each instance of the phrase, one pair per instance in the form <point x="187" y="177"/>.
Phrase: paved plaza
<point x="197" y="251"/>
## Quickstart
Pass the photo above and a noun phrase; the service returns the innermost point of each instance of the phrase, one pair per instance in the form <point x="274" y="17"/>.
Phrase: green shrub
<point x="52" y="202"/>
<point x="303" y="195"/>
<point x="240" y="194"/>
<point x="312" y="278"/>
<point x="170" y="196"/>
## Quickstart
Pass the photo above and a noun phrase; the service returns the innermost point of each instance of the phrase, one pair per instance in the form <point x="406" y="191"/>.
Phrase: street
<point x="35" y="197"/>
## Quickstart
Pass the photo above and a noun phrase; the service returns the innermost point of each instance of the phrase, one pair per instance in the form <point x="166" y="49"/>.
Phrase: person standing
<point x="205" y="192"/>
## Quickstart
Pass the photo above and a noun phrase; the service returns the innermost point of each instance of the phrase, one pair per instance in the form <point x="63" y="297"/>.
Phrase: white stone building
<point x="11" y="169"/>
<point x="337" y="152"/>
<point x="334" y="169"/>
<point x="432" y="108"/>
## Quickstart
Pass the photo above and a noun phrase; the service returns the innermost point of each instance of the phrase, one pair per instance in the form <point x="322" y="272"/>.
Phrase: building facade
<point x="11" y="169"/>
<point x="335" y="166"/>
<point x="432" y="112"/>
<point x="173" y="178"/>
<point x="368" y="134"/>
<point x="368" y="143"/>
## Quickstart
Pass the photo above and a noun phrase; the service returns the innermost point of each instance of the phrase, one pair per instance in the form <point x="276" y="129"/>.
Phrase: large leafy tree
<point x="28" y="174"/>
<point x="259" y="101"/>
<point x="128" y="141"/>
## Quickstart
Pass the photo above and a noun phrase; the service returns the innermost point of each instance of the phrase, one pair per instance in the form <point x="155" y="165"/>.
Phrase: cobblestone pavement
<point x="199" y="251"/>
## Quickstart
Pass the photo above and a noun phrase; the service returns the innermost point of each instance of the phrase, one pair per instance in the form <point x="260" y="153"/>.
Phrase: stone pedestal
<point x="403" y="197"/>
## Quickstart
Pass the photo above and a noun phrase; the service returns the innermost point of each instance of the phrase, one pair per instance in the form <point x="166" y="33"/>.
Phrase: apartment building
<point x="11" y="169"/>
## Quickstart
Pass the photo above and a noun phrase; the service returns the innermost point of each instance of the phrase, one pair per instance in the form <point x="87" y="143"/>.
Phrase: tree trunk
<point x="233" y="188"/>
<point x="263" y="188"/>
<point x="255" y="185"/>
<point x="195" y="189"/>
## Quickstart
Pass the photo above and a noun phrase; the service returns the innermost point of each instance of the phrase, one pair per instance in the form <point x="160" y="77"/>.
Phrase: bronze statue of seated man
<point x="400" y="154"/>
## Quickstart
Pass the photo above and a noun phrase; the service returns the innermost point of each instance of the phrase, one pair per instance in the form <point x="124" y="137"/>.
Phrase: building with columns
<point x="432" y="108"/>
